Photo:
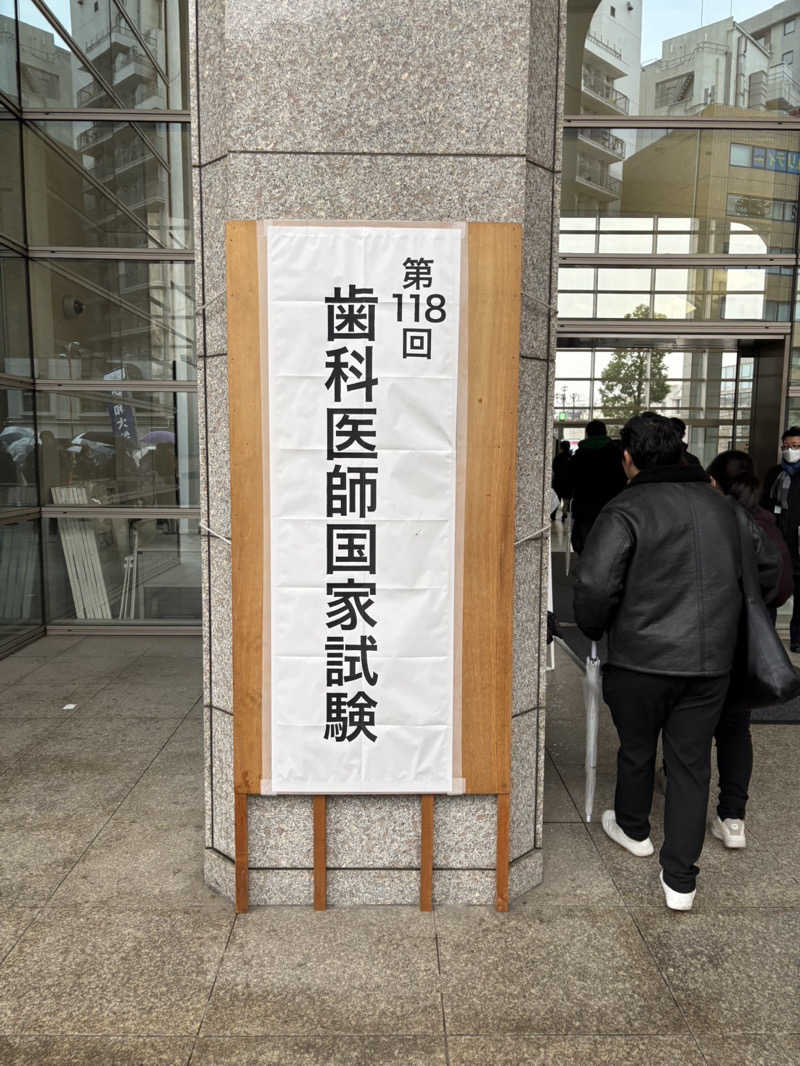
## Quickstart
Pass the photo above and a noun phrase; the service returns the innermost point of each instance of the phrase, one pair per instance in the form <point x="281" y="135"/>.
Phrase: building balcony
<point x="602" y="144"/>
<point x="601" y="96"/>
<point x="782" y="91"/>
<point x="595" y="179"/>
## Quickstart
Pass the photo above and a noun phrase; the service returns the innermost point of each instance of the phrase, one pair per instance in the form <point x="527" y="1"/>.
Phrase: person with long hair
<point x="733" y="474"/>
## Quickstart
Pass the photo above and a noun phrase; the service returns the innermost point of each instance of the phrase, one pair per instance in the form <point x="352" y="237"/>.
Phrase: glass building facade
<point x="99" y="471"/>
<point x="679" y="225"/>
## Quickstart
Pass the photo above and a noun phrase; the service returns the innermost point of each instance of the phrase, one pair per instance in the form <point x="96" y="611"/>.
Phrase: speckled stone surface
<point x="280" y="831"/>
<point x="716" y="961"/>
<point x="373" y="887"/>
<point x="197" y="204"/>
<point x="525" y="873"/>
<point x="524" y="759"/>
<point x="481" y="189"/>
<point x="275" y="888"/>
<point x="576" y="1051"/>
<point x="545" y="74"/>
<point x="215" y="211"/>
<point x="211" y="87"/>
<point x="221" y="624"/>
<point x="373" y="831"/>
<point x="465" y="831"/>
<point x="570" y="950"/>
<point x="573" y="874"/>
<point x="205" y="563"/>
<point x="93" y="970"/>
<point x="219" y="873"/>
<point x="401" y="995"/>
<point x="95" y="1050"/>
<point x="411" y="79"/>
<point x="222" y="777"/>
<point x="525" y="663"/>
<point x="278" y="1051"/>
<point x="470" y="887"/>
<point x="216" y="375"/>
<point x="208" y="804"/>
<point x="539" y="242"/>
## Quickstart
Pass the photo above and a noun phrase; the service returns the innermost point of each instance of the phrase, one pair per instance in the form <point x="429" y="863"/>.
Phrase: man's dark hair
<point x="679" y="425"/>
<point x="596" y="428"/>
<point x="792" y="431"/>
<point x="733" y="471"/>
<point x="565" y="446"/>
<point x="652" y="440"/>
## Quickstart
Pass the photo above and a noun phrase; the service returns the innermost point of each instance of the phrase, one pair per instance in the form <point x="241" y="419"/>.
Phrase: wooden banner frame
<point x="491" y="333"/>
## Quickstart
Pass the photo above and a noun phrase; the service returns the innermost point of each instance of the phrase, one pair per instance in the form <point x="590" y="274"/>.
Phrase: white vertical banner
<point x="363" y="352"/>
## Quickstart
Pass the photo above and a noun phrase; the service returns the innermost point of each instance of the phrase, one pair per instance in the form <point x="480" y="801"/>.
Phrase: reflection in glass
<point x="133" y="569"/>
<point x="11" y="213"/>
<point x="8" y="51"/>
<point x="704" y="294"/>
<point x="17" y="449"/>
<point x="15" y="356"/>
<point x="708" y="388"/>
<point x="95" y="318"/>
<point x="699" y="60"/>
<point x="118" y="449"/>
<point x="128" y="63"/>
<point x="683" y="191"/>
<point x="108" y="184"/>
<point x="20" y="598"/>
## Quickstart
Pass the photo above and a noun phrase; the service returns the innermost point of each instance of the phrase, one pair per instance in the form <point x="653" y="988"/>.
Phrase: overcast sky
<point x="662" y="20"/>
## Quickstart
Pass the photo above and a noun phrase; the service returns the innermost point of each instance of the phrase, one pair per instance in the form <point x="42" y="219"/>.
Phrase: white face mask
<point x="791" y="455"/>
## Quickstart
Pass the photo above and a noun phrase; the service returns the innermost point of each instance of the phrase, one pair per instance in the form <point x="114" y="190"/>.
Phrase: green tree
<point x="635" y="379"/>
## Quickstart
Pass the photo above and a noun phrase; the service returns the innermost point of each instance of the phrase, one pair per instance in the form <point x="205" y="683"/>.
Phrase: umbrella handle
<point x="593" y="653"/>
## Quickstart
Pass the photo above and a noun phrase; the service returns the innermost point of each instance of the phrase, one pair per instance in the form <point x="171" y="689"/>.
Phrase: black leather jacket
<point x="661" y="572"/>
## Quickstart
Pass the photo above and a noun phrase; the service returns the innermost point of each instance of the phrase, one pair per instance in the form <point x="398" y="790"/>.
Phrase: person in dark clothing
<point x="560" y="483"/>
<point x="732" y="473"/>
<point x="680" y="429"/>
<point x="781" y="497"/>
<point x="595" y="476"/>
<point x="660" y="574"/>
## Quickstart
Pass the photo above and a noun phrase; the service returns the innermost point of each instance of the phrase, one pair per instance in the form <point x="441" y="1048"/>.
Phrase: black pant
<point x="794" y="625"/>
<point x="734" y="761"/>
<point x="686" y="711"/>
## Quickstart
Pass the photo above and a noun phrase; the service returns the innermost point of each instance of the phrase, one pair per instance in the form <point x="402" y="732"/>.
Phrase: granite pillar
<point x="378" y="110"/>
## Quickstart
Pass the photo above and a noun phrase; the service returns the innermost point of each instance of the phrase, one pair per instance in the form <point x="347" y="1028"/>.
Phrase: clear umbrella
<point x="592" y="698"/>
<point x="569" y="541"/>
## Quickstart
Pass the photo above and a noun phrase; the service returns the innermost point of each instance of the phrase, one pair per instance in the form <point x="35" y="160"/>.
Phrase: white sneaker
<point x="619" y="836"/>
<point x="676" y="901"/>
<point x="729" y="830"/>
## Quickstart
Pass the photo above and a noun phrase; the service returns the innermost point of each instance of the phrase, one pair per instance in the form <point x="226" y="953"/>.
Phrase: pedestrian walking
<point x="732" y="473"/>
<point x="595" y="476"/>
<point x="781" y="497"/>
<point x="660" y="575"/>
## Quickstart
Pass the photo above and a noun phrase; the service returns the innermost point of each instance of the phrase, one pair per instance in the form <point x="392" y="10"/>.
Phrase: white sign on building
<point x="363" y="352"/>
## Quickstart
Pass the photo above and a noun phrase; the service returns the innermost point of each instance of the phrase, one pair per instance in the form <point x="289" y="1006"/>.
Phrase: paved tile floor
<point x="114" y="953"/>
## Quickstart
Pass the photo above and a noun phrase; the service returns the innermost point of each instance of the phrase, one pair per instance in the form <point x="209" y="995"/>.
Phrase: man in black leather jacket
<point x="660" y="575"/>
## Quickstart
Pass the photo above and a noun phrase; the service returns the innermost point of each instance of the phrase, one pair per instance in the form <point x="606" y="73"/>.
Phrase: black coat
<point x="660" y="573"/>
<point x="788" y="520"/>
<point x="561" y="482"/>
<point x="595" y="476"/>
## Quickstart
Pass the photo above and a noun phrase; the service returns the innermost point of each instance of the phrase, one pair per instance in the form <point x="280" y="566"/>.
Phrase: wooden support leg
<point x="503" y="827"/>
<point x="320" y="855"/>
<point x="426" y="855"/>
<point x="240" y="851"/>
